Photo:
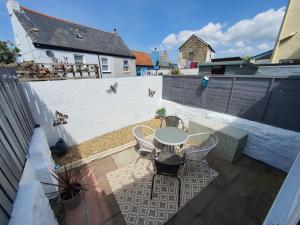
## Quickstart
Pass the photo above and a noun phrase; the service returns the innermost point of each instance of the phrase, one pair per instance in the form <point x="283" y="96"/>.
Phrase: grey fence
<point x="266" y="99"/>
<point x="16" y="128"/>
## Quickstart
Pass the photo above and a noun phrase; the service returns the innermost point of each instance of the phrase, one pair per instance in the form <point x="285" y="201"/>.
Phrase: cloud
<point x="244" y="37"/>
<point x="264" y="46"/>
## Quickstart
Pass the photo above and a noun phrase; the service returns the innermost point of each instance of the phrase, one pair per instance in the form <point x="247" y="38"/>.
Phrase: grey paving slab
<point x="125" y="157"/>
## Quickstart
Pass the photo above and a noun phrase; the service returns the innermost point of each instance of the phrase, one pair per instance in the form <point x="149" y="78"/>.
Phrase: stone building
<point x="195" y="51"/>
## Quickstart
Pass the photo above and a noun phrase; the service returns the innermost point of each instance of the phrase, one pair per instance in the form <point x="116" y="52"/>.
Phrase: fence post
<point x="266" y="103"/>
<point x="204" y="95"/>
<point x="231" y="94"/>
<point x="183" y="96"/>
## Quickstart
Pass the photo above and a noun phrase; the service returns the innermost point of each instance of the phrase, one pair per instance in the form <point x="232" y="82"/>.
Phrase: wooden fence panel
<point x="248" y="98"/>
<point x="271" y="100"/>
<point x="218" y="95"/>
<point x="16" y="129"/>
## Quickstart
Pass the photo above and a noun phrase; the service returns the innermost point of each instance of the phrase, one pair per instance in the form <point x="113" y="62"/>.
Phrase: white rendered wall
<point x="92" y="112"/>
<point x="31" y="207"/>
<point x="194" y="71"/>
<point x="274" y="146"/>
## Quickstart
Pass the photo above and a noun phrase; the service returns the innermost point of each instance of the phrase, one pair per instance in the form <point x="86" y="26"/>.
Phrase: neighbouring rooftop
<point x="55" y="33"/>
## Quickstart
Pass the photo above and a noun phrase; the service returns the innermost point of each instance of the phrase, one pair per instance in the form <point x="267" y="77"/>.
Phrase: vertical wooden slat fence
<point x="266" y="99"/>
<point x="16" y="129"/>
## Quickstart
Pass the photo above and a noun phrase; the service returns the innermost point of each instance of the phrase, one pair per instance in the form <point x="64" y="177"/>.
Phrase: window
<point x="104" y="65"/>
<point x="125" y="66"/>
<point x="78" y="59"/>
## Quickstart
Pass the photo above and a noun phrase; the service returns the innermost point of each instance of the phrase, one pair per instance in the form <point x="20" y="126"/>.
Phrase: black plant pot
<point x="60" y="148"/>
<point x="71" y="200"/>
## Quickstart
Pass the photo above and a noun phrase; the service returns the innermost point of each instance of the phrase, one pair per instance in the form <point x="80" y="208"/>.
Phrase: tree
<point x="8" y="52"/>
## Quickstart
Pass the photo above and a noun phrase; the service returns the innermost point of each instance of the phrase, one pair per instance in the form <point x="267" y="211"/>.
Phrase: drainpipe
<point x="100" y="69"/>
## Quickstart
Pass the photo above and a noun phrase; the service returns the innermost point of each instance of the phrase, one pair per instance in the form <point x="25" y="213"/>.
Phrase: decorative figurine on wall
<point x="112" y="88"/>
<point x="60" y="119"/>
<point x="204" y="81"/>
<point x="151" y="93"/>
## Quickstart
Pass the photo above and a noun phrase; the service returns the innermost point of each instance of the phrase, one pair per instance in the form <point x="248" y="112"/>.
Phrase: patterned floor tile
<point x="131" y="186"/>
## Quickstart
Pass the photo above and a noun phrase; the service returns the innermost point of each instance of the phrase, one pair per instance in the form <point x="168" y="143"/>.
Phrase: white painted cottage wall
<point x="92" y="112"/>
<point x="29" y="52"/>
<point x="22" y="41"/>
<point x="271" y="145"/>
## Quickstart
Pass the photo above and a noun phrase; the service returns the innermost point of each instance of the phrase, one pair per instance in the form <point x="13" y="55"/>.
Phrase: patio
<point x="237" y="186"/>
<point x="245" y="189"/>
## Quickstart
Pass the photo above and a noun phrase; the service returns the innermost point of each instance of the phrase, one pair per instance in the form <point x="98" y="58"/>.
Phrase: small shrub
<point x="175" y="71"/>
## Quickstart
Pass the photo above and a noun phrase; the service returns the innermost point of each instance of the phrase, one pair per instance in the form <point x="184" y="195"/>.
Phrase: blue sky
<point x="232" y="27"/>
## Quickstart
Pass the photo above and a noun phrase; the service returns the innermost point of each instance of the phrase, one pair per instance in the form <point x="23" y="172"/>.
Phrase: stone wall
<point x="199" y="50"/>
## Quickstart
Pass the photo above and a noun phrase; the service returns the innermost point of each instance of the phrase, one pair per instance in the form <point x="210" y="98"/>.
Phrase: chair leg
<point x="182" y="169"/>
<point x="179" y="187"/>
<point x="152" y="185"/>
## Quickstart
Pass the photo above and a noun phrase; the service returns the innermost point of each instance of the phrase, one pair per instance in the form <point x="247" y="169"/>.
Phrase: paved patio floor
<point x="241" y="194"/>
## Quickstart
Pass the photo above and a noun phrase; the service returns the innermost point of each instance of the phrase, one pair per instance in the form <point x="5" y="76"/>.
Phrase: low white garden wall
<point x="92" y="112"/>
<point x="31" y="206"/>
<point x="274" y="146"/>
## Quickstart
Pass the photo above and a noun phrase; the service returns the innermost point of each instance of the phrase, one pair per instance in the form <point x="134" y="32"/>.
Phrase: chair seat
<point x="169" y="159"/>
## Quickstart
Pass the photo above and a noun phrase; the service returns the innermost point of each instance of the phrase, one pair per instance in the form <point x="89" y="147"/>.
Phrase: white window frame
<point x="107" y="64"/>
<point x="78" y="63"/>
<point x="126" y="66"/>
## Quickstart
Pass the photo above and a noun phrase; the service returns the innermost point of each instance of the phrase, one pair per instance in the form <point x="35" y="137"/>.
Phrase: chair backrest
<point x="198" y="153"/>
<point x="140" y="138"/>
<point x="168" y="168"/>
<point x="174" y="121"/>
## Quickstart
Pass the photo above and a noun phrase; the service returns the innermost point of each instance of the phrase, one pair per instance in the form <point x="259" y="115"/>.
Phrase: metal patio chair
<point x="174" y="121"/>
<point x="145" y="145"/>
<point x="199" y="152"/>
<point x="168" y="167"/>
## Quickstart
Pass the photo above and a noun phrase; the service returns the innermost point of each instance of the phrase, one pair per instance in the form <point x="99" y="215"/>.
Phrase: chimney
<point x="115" y="31"/>
<point x="11" y="6"/>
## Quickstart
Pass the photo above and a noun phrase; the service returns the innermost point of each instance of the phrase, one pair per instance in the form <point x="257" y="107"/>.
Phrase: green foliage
<point x="160" y="113"/>
<point x="175" y="71"/>
<point x="246" y="57"/>
<point x="8" y="52"/>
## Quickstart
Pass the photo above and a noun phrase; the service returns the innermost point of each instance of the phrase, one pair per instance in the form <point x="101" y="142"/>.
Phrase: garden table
<point x="171" y="136"/>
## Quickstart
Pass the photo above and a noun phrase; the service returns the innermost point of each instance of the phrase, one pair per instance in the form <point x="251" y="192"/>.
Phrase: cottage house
<point x="143" y="62"/>
<point x="195" y="51"/>
<point x="48" y="40"/>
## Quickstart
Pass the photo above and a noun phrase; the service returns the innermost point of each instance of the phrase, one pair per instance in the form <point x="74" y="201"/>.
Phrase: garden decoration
<point x="204" y="81"/>
<point x="151" y="93"/>
<point x="60" y="119"/>
<point x="70" y="186"/>
<point x="112" y="88"/>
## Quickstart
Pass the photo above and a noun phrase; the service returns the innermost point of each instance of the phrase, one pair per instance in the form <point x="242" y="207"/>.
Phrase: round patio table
<point x="171" y="136"/>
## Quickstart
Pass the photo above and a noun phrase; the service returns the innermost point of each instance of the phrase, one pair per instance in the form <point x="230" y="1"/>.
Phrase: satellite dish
<point x="49" y="53"/>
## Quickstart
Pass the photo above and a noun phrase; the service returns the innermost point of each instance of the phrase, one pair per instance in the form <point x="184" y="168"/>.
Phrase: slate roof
<point x="228" y="63"/>
<point x="60" y="34"/>
<point x="264" y="55"/>
<point x="199" y="39"/>
<point x="142" y="58"/>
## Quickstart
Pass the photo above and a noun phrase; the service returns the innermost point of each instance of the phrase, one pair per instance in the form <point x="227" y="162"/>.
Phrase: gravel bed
<point x="102" y="143"/>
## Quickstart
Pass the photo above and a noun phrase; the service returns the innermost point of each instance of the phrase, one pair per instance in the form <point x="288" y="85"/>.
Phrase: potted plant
<point x="70" y="186"/>
<point x="160" y="114"/>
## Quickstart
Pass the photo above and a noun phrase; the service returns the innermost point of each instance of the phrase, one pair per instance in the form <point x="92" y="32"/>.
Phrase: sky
<point x="231" y="27"/>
